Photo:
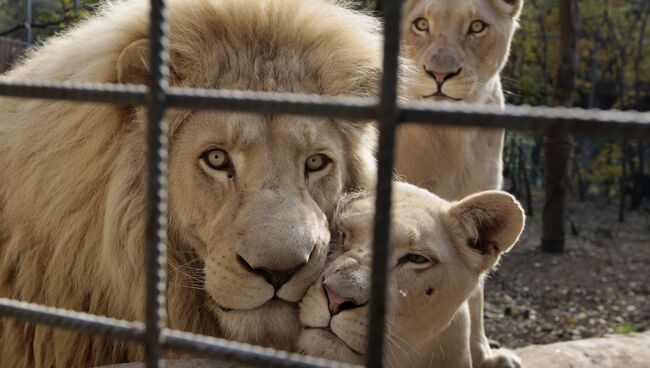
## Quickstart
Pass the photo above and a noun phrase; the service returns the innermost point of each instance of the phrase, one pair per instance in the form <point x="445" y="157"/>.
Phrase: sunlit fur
<point x="73" y="182"/>
<point x="454" y="162"/>
<point x="428" y="316"/>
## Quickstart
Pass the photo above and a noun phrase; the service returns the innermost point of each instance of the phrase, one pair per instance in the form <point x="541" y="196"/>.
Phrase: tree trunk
<point x="639" y="56"/>
<point x="557" y="144"/>
<point x="623" y="183"/>
<point x="524" y="170"/>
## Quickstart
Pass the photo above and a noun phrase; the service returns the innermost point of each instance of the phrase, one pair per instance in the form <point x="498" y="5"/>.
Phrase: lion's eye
<point x="414" y="258"/>
<point x="316" y="162"/>
<point x="421" y="24"/>
<point x="217" y="159"/>
<point x="477" y="27"/>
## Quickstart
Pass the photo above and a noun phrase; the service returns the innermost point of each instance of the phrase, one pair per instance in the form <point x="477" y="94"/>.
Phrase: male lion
<point x="439" y="252"/>
<point x="249" y="195"/>
<point x="460" y="47"/>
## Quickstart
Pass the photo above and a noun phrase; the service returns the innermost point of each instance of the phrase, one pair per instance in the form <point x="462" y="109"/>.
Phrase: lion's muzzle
<point x="281" y="252"/>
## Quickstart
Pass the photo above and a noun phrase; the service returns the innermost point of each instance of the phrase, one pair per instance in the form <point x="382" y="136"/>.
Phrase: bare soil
<point x="599" y="285"/>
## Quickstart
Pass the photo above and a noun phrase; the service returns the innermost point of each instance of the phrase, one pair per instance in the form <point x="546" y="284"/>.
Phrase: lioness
<point x="249" y="195"/>
<point x="440" y="250"/>
<point x="460" y="47"/>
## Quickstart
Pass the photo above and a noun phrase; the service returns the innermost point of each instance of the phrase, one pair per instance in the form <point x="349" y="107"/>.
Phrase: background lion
<point x="250" y="195"/>
<point x="439" y="250"/>
<point x="460" y="48"/>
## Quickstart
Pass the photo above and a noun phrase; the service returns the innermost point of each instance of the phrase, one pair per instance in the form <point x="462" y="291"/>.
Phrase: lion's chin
<point x="323" y="343"/>
<point x="274" y="324"/>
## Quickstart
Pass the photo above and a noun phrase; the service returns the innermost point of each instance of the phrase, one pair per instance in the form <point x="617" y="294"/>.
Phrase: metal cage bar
<point x="614" y="124"/>
<point x="388" y="119"/>
<point x="158" y="96"/>
<point x="157" y="152"/>
<point x="204" y="346"/>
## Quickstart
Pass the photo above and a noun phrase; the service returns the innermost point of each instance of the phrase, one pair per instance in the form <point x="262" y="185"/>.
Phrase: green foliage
<point x="613" y="72"/>
<point x="48" y="16"/>
<point x="626" y="329"/>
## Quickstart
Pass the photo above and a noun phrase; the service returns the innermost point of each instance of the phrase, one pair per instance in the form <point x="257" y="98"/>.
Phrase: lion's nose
<point x="336" y="302"/>
<point x="276" y="278"/>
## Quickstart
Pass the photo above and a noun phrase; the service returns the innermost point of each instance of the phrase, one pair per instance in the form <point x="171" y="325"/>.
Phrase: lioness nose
<point x="442" y="77"/>
<point x="276" y="278"/>
<point x="336" y="302"/>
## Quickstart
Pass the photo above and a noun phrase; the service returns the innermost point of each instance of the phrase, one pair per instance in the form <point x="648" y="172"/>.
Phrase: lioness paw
<point x="503" y="358"/>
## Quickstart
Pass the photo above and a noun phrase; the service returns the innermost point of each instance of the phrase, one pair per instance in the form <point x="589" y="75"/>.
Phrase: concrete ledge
<point x="613" y="351"/>
<point x="191" y="363"/>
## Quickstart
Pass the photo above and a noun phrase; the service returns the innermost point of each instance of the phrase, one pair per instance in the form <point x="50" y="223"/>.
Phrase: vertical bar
<point x="387" y="124"/>
<point x="28" y="22"/>
<point x="157" y="150"/>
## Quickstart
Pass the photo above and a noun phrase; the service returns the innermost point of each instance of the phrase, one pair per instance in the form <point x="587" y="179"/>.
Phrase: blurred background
<point x="583" y="264"/>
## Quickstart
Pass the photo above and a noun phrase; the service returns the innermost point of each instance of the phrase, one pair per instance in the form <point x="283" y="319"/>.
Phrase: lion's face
<point x="459" y="46"/>
<point x="252" y="195"/>
<point x="437" y="259"/>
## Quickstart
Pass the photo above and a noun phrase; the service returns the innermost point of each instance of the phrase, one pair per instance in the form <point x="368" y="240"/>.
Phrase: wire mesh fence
<point x="387" y="110"/>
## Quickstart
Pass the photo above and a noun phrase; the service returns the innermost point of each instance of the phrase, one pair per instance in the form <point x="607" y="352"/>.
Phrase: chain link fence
<point x="387" y="111"/>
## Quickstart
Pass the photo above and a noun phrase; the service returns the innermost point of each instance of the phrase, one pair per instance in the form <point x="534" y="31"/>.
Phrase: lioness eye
<point x="414" y="258"/>
<point x="421" y="24"/>
<point x="316" y="162"/>
<point x="477" y="26"/>
<point x="216" y="159"/>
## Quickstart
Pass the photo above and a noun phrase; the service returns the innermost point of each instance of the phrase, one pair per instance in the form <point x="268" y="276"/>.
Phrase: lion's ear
<point x="510" y="7"/>
<point x="491" y="223"/>
<point x="133" y="63"/>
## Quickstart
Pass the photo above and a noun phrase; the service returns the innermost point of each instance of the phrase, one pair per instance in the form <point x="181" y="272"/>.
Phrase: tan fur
<point x="428" y="316"/>
<point x="455" y="162"/>
<point x="72" y="182"/>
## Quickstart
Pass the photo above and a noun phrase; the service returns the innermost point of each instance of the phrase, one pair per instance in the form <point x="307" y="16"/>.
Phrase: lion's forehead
<point x="450" y="13"/>
<point x="252" y="131"/>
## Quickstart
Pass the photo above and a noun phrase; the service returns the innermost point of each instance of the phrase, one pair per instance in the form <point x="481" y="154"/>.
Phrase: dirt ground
<point x="599" y="285"/>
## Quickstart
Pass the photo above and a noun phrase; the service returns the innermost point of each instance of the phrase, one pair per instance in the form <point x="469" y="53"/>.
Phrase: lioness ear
<point x="491" y="222"/>
<point x="510" y="7"/>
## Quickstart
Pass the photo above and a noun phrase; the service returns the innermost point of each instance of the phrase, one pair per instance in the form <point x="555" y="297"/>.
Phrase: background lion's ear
<point x="492" y="222"/>
<point x="133" y="63"/>
<point x="510" y="7"/>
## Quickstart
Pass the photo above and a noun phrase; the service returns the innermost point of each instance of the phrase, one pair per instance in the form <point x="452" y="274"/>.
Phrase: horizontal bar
<point x="608" y="124"/>
<point x="120" y="94"/>
<point x="85" y="323"/>
<point x="211" y="347"/>
<point x="604" y="123"/>
<point x="205" y="346"/>
<point x="349" y="107"/>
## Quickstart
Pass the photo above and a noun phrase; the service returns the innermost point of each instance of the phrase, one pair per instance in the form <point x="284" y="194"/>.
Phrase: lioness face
<point x="266" y="185"/>
<point x="459" y="45"/>
<point x="436" y="262"/>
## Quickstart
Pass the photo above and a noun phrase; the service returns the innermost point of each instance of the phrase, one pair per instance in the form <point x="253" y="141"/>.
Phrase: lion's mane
<point x="72" y="184"/>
